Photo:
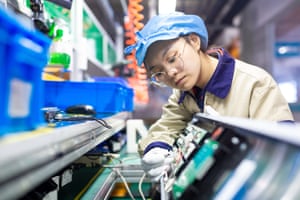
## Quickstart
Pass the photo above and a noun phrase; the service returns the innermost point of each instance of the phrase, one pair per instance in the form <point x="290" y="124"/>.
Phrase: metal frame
<point x="26" y="160"/>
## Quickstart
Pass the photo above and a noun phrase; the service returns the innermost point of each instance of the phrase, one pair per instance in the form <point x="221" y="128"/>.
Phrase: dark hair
<point x="202" y="47"/>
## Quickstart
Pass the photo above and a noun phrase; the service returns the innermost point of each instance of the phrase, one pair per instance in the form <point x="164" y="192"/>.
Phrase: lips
<point x="179" y="81"/>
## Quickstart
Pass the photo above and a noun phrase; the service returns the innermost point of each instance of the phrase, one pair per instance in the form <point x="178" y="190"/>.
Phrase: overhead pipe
<point x="215" y="11"/>
<point x="237" y="7"/>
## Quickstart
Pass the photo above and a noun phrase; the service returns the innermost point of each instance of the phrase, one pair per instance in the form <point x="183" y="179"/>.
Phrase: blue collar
<point x="221" y="80"/>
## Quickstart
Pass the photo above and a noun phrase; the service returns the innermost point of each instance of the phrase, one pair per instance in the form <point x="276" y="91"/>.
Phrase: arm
<point x="164" y="132"/>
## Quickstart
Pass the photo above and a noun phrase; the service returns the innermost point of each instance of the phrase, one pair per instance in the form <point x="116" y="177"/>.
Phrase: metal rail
<point x="28" y="159"/>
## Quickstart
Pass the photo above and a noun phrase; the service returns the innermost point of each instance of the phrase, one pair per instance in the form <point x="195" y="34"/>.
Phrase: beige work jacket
<point x="253" y="94"/>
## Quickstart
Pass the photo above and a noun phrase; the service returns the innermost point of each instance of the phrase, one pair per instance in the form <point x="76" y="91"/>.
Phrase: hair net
<point x="166" y="27"/>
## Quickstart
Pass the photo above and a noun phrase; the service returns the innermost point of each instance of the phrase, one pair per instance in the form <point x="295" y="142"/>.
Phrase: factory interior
<point x="74" y="106"/>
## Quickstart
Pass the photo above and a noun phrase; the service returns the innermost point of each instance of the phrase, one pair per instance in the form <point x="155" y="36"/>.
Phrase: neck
<point x="208" y="67"/>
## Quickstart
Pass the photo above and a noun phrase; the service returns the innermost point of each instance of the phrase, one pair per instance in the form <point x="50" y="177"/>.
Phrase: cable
<point x="125" y="182"/>
<point x="100" y="121"/>
<point x="140" y="186"/>
<point x="118" y="166"/>
<point x="115" y="167"/>
<point x="163" y="193"/>
<point x="103" y="123"/>
<point x="116" y="157"/>
<point x="130" y="158"/>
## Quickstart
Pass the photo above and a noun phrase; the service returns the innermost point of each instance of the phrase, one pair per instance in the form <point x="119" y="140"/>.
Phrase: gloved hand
<point x="156" y="162"/>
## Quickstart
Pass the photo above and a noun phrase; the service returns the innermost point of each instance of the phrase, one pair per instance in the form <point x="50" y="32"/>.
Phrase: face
<point x="175" y="63"/>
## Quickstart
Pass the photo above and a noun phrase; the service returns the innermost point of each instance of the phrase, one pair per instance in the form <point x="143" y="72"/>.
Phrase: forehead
<point x="157" y="49"/>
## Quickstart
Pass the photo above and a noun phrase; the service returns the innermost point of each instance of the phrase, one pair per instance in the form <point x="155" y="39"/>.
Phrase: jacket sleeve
<point x="172" y="122"/>
<point x="268" y="103"/>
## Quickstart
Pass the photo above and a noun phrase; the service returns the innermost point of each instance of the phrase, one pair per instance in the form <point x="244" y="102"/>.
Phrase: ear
<point x="195" y="41"/>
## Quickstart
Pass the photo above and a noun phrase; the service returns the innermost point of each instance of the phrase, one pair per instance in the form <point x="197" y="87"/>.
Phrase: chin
<point x="185" y="87"/>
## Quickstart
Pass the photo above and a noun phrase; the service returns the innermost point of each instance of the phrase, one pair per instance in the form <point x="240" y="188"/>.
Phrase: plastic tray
<point x="104" y="96"/>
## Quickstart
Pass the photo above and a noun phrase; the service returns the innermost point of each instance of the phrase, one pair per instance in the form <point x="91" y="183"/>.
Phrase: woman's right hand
<point x="157" y="162"/>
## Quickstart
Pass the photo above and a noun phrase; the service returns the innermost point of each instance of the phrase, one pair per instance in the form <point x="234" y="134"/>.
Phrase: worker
<point x="173" y="49"/>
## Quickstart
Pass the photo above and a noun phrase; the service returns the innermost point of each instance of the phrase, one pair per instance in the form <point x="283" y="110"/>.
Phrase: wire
<point x="163" y="192"/>
<point x="115" y="167"/>
<point x="103" y="123"/>
<point x="131" y="158"/>
<point x="125" y="183"/>
<point x="116" y="157"/>
<point x="140" y="186"/>
<point x="112" y="155"/>
<point x="100" y="121"/>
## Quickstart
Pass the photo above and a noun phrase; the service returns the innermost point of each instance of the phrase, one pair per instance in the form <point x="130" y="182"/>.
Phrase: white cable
<point x="131" y="158"/>
<point x="122" y="165"/>
<point x="140" y="186"/>
<point x="113" y="155"/>
<point x="163" y="193"/>
<point x="119" y="166"/>
<point x="125" y="183"/>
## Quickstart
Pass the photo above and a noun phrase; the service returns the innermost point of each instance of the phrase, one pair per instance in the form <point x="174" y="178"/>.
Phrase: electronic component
<point x="187" y="142"/>
<point x="237" y="158"/>
<point x="209" y="155"/>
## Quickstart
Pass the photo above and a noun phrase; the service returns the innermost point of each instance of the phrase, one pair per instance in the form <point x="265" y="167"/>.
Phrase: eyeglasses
<point x="160" y="78"/>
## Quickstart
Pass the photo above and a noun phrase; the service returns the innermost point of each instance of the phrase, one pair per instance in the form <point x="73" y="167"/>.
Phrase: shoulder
<point x="250" y="70"/>
<point x="251" y="73"/>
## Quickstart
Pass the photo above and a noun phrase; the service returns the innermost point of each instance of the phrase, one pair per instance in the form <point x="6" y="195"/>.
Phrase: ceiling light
<point x="166" y="6"/>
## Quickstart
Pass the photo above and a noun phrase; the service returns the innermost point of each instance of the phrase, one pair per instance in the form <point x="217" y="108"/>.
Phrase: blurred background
<point x="262" y="32"/>
<point x="61" y="58"/>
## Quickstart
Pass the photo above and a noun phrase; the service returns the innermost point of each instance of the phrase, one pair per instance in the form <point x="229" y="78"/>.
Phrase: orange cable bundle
<point x="132" y="24"/>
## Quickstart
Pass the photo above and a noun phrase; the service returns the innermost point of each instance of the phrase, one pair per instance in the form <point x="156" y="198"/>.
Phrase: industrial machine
<point x="233" y="158"/>
<point x="222" y="158"/>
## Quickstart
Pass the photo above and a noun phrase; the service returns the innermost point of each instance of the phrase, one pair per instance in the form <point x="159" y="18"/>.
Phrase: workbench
<point x="29" y="158"/>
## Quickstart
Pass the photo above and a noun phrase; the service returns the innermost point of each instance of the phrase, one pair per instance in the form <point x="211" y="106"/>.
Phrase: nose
<point x="172" y="72"/>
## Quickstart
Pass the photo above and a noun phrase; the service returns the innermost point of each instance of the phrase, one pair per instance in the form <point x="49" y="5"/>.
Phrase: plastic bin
<point x="106" y="97"/>
<point x="112" y="79"/>
<point x="23" y="54"/>
<point x="129" y="93"/>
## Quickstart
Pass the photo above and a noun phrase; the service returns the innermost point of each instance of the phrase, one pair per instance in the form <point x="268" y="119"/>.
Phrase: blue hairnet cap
<point x="167" y="27"/>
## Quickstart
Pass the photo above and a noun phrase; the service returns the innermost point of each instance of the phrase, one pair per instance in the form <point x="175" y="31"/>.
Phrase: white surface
<point x="133" y="128"/>
<point x="286" y="132"/>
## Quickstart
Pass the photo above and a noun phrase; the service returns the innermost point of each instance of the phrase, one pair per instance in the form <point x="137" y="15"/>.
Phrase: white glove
<point x="156" y="162"/>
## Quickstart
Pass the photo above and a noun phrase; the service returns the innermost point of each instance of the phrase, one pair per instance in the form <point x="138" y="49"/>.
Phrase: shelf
<point x="98" y="69"/>
<point x="29" y="159"/>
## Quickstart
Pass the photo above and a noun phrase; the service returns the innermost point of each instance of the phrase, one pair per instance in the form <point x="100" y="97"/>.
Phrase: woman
<point x="173" y="50"/>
